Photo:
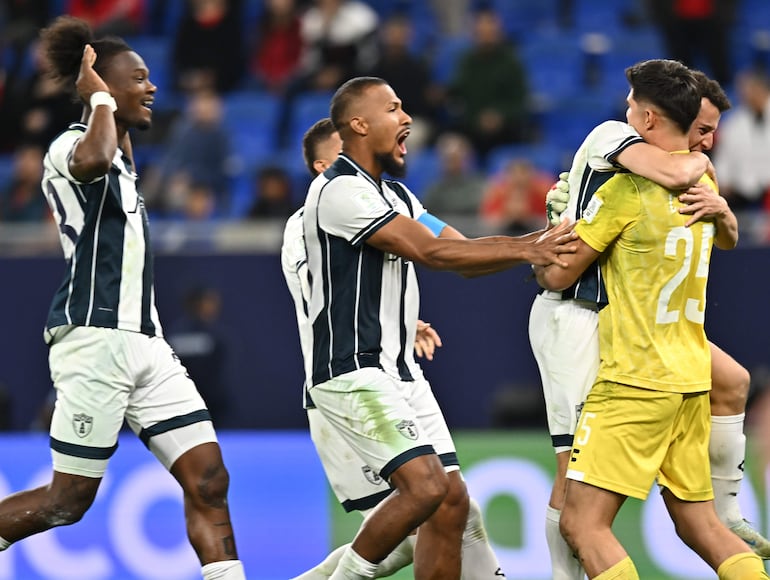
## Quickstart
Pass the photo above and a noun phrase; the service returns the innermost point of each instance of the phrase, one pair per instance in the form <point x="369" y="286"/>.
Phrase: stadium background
<point x="484" y="376"/>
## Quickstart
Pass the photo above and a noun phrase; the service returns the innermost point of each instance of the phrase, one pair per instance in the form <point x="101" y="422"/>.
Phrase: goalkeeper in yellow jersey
<point x="647" y="415"/>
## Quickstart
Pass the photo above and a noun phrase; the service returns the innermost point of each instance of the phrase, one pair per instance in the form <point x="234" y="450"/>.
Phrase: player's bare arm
<point x="557" y="279"/>
<point x="671" y="170"/>
<point x="703" y="203"/>
<point x="409" y="239"/>
<point x="92" y="156"/>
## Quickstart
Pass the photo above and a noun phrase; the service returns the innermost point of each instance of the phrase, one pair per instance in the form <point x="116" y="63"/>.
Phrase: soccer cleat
<point x="756" y="541"/>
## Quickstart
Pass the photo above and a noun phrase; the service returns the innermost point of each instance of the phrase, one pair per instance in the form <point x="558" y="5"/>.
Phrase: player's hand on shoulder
<point x="702" y="203"/>
<point x="556" y="199"/>
<point x="89" y="81"/>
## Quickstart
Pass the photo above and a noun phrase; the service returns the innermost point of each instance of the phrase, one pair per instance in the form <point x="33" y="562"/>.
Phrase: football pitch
<point x="509" y="474"/>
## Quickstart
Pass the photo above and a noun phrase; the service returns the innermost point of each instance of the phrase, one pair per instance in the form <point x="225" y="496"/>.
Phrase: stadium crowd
<point x="501" y="91"/>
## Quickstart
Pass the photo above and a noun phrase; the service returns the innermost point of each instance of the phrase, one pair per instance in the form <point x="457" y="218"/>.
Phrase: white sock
<point x="326" y="568"/>
<point x="479" y="561"/>
<point x="353" y="567"/>
<point x="727" y="452"/>
<point x="224" y="570"/>
<point x="4" y="544"/>
<point x="399" y="558"/>
<point x="564" y="564"/>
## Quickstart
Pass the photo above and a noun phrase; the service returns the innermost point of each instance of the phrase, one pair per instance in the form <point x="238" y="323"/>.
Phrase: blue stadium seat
<point x="156" y="52"/>
<point x="554" y="67"/>
<point x="306" y="110"/>
<point x="6" y="170"/>
<point x="251" y="118"/>
<point x="423" y="168"/>
<point x="524" y="18"/>
<point x="445" y="57"/>
<point x="544" y="156"/>
<point x="568" y="123"/>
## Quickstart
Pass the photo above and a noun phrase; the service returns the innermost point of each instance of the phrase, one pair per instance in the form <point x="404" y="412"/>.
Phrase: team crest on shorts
<point x="408" y="429"/>
<point x="82" y="424"/>
<point x="371" y="476"/>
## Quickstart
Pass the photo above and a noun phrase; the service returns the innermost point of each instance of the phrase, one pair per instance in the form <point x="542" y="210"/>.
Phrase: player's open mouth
<point x="402" y="142"/>
<point x="147" y="103"/>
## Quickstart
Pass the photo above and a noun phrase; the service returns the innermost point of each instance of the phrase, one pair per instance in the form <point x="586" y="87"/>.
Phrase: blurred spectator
<point x="197" y="156"/>
<point x="278" y="44"/>
<point x="273" y="194"/>
<point x="106" y="17"/>
<point x="339" y="41"/>
<point x="199" y="342"/>
<point x="452" y="16"/>
<point x="208" y="46"/>
<point x="488" y="94"/>
<point x="458" y="188"/>
<point x="34" y="107"/>
<point x="697" y="28"/>
<point x="20" y="22"/>
<point x="23" y="200"/>
<point x="514" y="200"/>
<point x="742" y="152"/>
<point x="409" y="75"/>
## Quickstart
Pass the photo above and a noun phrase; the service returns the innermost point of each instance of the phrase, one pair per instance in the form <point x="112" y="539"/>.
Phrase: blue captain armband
<point x="431" y="222"/>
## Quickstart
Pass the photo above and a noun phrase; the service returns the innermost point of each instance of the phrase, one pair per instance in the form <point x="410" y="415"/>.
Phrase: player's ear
<point x="359" y="125"/>
<point x="320" y="165"/>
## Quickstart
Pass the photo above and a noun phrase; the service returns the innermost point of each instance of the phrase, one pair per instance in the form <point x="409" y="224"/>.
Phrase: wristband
<point x="103" y="98"/>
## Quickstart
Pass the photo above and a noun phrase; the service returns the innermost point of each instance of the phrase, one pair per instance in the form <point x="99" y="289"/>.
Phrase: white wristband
<point x="103" y="98"/>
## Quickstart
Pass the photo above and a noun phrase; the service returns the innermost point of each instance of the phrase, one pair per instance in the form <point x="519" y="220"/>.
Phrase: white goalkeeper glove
<point x="556" y="199"/>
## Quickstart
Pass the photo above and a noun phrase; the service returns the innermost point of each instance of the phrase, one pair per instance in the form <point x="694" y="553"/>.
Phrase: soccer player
<point x="109" y="361"/>
<point x="362" y="240"/>
<point x="356" y="486"/>
<point x="647" y="414"/>
<point x="563" y="325"/>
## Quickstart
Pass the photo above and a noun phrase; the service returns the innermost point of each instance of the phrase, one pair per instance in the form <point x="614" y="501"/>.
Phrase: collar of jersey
<point x="360" y="169"/>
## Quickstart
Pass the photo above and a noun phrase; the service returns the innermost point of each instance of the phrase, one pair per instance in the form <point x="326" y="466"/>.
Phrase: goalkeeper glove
<point x="556" y="199"/>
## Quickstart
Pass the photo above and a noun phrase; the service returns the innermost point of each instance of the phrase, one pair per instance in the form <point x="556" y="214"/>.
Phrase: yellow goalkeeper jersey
<point x="655" y="270"/>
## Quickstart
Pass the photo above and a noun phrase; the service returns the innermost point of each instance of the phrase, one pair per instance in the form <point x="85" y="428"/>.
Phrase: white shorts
<point x="564" y="336"/>
<point x="103" y="376"/>
<point x="356" y="485"/>
<point x="385" y="421"/>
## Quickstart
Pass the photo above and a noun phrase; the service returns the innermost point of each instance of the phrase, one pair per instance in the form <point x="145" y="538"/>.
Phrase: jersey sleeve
<point x="352" y="209"/>
<point x="60" y="152"/>
<point x="294" y="258"/>
<point x="614" y="207"/>
<point x="609" y="140"/>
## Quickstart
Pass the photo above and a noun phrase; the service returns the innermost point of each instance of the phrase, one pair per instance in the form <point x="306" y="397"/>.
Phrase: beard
<point x="390" y="165"/>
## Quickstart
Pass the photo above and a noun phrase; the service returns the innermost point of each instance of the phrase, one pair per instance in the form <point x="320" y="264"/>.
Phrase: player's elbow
<point x="90" y="168"/>
<point x="555" y="278"/>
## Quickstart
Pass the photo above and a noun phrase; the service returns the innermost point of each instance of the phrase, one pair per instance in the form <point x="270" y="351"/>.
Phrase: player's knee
<point x="730" y="395"/>
<point x="210" y="487"/>
<point x="434" y="492"/>
<point x="456" y="502"/>
<point x="64" y="508"/>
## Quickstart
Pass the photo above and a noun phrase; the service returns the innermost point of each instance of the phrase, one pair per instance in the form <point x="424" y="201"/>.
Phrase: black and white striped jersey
<point x="103" y="231"/>
<point x="363" y="303"/>
<point x="595" y="163"/>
